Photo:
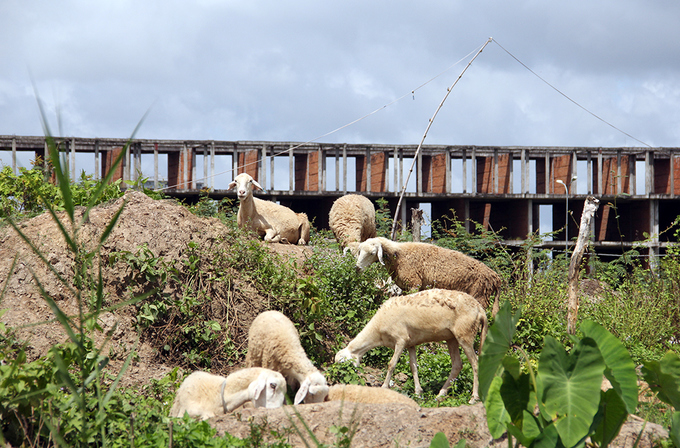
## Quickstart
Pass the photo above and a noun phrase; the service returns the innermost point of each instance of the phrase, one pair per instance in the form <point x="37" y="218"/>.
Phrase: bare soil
<point x="168" y="228"/>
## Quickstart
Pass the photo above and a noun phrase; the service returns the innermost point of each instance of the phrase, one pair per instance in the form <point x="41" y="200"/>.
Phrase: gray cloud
<point x="269" y="70"/>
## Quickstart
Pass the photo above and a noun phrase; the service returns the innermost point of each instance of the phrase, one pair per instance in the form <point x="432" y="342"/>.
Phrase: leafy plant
<point x="83" y="395"/>
<point x="663" y="378"/>
<point x="565" y="391"/>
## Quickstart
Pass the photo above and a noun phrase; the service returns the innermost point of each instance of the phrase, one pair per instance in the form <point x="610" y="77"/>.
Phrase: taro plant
<point x="663" y="378"/>
<point x="561" y="404"/>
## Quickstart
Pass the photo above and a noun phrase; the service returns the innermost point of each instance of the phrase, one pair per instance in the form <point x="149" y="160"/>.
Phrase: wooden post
<point x="416" y="221"/>
<point x="589" y="209"/>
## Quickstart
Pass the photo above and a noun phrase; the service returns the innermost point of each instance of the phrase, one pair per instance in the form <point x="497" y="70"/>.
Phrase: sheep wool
<point x="425" y="265"/>
<point x="278" y="224"/>
<point x="433" y="315"/>
<point x="274" y="343"/>
<point x="365" y="394"/>
<point x="206" y="395"/>
<point x="352" y="220"/>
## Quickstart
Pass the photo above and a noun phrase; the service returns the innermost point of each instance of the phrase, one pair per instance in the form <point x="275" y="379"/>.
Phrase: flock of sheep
<point x="455" y="291"/>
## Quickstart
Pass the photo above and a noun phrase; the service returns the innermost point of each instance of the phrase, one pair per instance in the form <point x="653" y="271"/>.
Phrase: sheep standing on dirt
<point x="365" y="394"/>
<point x="278" y="224"/>
<point x="425" y="265"/>
<point x="274" y="343"/>
<point x="205" y="395"/>
<point x="403" y="322"/>
<point x="352" y="220"/>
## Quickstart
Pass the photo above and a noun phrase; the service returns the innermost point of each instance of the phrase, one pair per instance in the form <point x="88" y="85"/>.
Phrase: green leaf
<point x="663" y="378"/>
<point x="549" y="438"/>
<point x="516" y="393"/>
<point x="497" y="417"/>
<point x="496" y="345"/>
<point x="529" y="432"/>
<point x="440" y="441"/>
<point x="611" y="416"/>
<point x="569" y="387"/>
<point x="620" y="366"/>
<point x="675" y="428"/>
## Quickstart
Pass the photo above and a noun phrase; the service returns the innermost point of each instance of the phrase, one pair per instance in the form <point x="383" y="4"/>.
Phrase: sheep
<point x="352" y="220"/>
<point x="433" y="315"/>
<point x="274" y="343"/>
<point x="206" y="395"/>
<point x="278" y="224"/>
<point x="366" y="394"/>
<point x="426" y="265"/>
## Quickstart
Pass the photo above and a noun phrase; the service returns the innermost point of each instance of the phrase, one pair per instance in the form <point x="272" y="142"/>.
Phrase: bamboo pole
<point x="589" y="208"/>
<point x="420" y="145"/>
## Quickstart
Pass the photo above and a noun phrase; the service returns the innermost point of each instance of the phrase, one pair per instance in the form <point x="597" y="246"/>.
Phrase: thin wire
<point x="568" y="98"/>
<point x="410" y="92"/>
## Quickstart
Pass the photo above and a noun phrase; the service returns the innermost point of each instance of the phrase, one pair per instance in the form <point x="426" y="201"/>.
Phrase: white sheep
<point x="206" y="395"/>
<point x="365" y="394"/>
<point x="274" y="343"/>
<point x="278" y="224"/>
<point x="433" y="315"/>
<point x="352" y="220"/>
<point x="425" y="265"/>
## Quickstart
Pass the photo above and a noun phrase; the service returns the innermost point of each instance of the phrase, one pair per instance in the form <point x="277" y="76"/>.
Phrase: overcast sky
<point x="297" y="70"/>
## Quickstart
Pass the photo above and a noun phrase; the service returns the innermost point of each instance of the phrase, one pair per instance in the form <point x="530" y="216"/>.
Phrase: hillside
<point x="173" y="234"/>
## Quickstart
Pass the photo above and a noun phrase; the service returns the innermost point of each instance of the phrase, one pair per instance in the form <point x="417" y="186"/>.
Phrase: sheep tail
<point x="485" y="330"/>
<point x="496" y="306"/>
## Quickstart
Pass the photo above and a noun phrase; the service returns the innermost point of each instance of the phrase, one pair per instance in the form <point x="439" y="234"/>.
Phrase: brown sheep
<point x="425" y="265"/>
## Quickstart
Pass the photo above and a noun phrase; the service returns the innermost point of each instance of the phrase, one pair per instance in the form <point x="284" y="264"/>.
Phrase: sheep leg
<point x="398" y="349"/>
<point x="456" y="365"/>
<point x="469" y="349"/>
<point x="414" y="369"/>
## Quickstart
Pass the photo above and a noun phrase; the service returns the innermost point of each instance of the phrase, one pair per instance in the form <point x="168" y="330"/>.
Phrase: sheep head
<point x="346" y="355"/>
<point x="369" y="252"/>
<point x="268" y="390"/>
<point x="245" y="185"/>
<point x="312" y="390"/>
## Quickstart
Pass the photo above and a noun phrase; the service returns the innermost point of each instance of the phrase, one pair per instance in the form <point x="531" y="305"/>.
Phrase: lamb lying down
<point x="366" y="394"/>
<point x="206" y="395"/>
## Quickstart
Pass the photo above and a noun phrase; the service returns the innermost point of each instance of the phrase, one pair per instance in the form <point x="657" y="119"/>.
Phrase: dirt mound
<point x="165" y="227"/>
<point x="168" y="230"/>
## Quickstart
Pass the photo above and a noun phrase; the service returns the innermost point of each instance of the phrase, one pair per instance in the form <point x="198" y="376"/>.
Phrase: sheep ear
<point x="302" y="392"/>
<point x="257" y="185"/>
<point x="231" y="185"/>
<point x="380" y="254"/>
<point x="260" y="386"/>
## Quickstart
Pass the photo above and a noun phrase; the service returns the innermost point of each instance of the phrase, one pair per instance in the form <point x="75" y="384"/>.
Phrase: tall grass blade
<point x="61" y="317"/>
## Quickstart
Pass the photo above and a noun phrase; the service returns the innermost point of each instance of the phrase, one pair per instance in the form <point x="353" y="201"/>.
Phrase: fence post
<point x="416" y="221"/>
<point x="589" y="208"/>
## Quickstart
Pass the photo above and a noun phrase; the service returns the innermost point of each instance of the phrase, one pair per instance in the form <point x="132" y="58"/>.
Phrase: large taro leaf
<point x="496" y="346"/>
<point x="675" y="428"/>
<point x="569" y="387"/>
<point x="516" y="395"/>
<point x="663" y="378"/>
<point x="610" y="417"/>
<point x="497" y="417"/>
<point x="620" y="366"/>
